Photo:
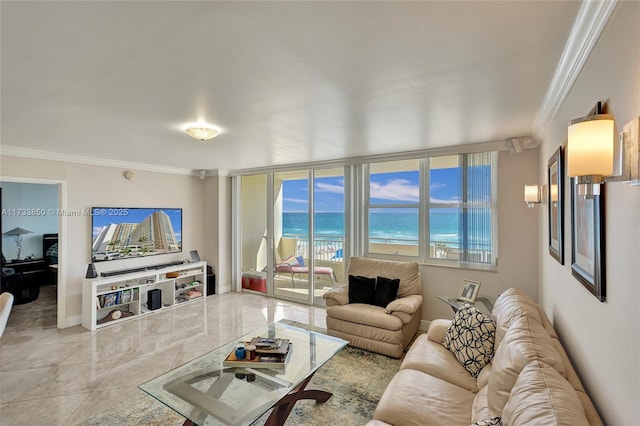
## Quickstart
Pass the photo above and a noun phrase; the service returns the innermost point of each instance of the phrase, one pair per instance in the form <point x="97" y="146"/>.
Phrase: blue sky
<point x="103" y="216"/>
<point x="386" y="188"/>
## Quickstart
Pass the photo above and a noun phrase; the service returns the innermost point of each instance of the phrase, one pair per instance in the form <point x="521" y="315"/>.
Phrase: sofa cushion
<point x="525" y="341"/>
<point x="362" y="289"/>
<point x="511" y="305"/>
<point x="437" y="329"/>
<point x="416" y="398"/>
<point x="367" y="315"/>
<point x="470" y="338"/>
<point x="479" y="409"/>
<point x="434" y="359"/>
<point x="542" y="396"/>
<point x="386" y="291"/>
<point x="407" y="272"/>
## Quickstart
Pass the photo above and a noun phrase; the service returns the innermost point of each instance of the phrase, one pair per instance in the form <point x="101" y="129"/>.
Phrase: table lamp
<point x="18" y="232"/>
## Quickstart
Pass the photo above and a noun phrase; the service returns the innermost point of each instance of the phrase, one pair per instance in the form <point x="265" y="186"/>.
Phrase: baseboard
<point x="223" y="289"/>
<point x="71" y="321"/>
<point x="424" y="325"/>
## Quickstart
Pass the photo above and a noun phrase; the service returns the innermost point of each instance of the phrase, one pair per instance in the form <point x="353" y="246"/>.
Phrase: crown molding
<point x="589" y="25"/>
<point x="524" y="142"/>
<point x="15" y="151"/>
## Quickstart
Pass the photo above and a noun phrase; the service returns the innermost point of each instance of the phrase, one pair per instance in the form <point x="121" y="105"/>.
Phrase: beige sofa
<point x="385" y="330"/>
<point x="529" y="381"/>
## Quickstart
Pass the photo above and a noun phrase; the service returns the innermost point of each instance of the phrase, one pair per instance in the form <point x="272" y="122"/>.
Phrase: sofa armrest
<point x="437" y="329"/>
<point x="337" y="296"/>
<point x="408" y="304"/>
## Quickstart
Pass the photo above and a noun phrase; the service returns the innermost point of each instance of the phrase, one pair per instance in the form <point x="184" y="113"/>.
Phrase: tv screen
<point x="125" y="233"/>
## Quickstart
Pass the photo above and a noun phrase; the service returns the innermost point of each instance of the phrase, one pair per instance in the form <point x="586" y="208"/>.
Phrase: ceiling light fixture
<point x="202" y="131"/>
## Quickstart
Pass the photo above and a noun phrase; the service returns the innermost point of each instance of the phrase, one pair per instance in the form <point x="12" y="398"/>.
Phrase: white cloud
<point x="455" y="199"/>
<point x="297" y="200"/>
<point x="396" y="190"/>
<point x="328" y="187"/>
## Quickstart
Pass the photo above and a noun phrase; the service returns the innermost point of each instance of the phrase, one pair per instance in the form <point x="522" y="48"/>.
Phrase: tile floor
<point x="62" y="377"/>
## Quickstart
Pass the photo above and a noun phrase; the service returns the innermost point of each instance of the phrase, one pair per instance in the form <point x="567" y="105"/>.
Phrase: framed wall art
<point x="587" y="241"/>
<point x="555" y="205"/>
<point x="469" y="291"/>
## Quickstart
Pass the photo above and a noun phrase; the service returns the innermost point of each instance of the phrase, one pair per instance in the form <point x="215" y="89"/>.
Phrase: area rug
<point x="357" y="379"/>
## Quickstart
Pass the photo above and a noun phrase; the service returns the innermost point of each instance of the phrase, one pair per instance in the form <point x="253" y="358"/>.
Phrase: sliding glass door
<point x="291" y="236"/>
<point x="254" y="245"/>
<point x="328" y="230"/>
<point x="292" y="232"/>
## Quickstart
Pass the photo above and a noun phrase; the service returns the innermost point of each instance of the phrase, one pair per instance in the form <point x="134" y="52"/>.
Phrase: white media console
<point x="110" y="300"/>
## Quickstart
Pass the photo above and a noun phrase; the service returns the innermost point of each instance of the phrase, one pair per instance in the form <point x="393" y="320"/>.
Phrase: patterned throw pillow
<point x="291" y="261"/>
<point x="470" y="338"/>
<point x="495" y="421"/>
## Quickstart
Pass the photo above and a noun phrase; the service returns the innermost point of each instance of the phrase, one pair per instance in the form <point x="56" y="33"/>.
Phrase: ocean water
<point x="389" y="227"/>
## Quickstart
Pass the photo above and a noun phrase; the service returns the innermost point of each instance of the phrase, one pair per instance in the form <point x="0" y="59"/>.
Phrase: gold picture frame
<point x="469" y="291"/>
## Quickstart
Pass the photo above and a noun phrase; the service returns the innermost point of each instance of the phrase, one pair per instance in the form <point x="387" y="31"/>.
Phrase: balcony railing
<point x="330" y="248"/>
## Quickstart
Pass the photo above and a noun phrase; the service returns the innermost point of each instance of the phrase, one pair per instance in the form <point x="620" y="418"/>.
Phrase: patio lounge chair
<point x="295" y="265"/>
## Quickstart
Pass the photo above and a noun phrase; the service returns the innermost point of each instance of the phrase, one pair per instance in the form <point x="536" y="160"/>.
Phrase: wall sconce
<point x="591" y="150"/>
<point x="532" y="195"/>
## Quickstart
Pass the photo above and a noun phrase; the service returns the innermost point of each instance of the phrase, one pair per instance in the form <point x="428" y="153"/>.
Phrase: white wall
<point x="518" y="236"/>
<point x="36" y="199"/>
<point x="87" y="186"/>
<point x="603" y="339"/>
<point x="217" y="213"/>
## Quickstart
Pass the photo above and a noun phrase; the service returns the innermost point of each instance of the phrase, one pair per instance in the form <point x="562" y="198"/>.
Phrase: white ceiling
<point x="287" y="82"/>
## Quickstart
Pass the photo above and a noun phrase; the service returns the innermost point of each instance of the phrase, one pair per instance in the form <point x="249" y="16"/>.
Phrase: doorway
<point x="31" y="228"/>
<point x="291" y="233"/>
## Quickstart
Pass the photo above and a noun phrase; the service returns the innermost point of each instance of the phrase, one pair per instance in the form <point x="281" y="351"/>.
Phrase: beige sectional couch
<point x="529" y="381"/>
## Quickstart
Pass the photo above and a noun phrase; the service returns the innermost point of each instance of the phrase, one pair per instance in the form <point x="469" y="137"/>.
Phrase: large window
<point x="394" y="201"/>
<point x="462" y="210"/>
<point x="439" y="209"/>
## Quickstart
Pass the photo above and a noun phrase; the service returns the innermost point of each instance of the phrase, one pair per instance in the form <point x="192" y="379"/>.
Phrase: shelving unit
<point x="110" y="300"/>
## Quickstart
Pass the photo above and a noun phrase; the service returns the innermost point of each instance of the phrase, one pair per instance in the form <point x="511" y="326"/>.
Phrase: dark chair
<point x="22" y="286"/>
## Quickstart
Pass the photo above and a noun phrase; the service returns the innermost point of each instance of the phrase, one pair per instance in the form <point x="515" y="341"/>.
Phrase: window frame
<point x="367" y="206"/>
<point x="424" y="206"/>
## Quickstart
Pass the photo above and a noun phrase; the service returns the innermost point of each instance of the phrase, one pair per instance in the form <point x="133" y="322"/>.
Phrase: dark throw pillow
<point x="386" y="291"/>
<point x="362" y="289"/>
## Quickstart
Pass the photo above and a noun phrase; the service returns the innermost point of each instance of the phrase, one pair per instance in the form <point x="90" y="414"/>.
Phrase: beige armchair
<point x="384" y="330"/>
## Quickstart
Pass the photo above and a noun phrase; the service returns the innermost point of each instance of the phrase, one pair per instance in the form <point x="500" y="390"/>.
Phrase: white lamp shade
<point x="531" y="194"/>
<point x="590" y="147"/>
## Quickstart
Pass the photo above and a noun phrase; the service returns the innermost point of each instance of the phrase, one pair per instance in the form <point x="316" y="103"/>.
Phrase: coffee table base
<point x="283" y="408"/>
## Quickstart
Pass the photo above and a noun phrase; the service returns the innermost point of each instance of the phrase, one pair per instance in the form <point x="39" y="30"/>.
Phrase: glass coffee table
<point x="208" y="393"/>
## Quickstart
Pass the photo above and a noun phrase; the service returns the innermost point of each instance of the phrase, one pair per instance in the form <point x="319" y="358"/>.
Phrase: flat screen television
<point x="125" y="232"/>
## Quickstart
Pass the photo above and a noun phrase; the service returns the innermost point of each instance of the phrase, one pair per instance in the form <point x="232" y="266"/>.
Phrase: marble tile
<point x="155" y="345"/>
<point x="136" y="371"/>
<point x="67" y="336"/>
<point x="14" y="383"/>
<point x="37" y="356"/>
<point x="52" y="411"/>
<point x="55" y="377"/>
<point x="101" y="351"/>
<point x="99" y="400"/>
<point x="69" y="379"/>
